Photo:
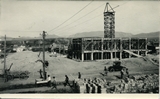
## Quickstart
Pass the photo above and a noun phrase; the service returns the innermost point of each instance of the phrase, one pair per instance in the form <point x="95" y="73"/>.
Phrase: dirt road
<point x="60" y="66"/>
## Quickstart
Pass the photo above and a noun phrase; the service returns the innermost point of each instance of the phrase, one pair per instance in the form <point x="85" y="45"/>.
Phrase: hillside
<point x="148" y="35"/>
<point x="117" y="34"/>
<point x="28" y="38"/>
<point x="99" y="34"/>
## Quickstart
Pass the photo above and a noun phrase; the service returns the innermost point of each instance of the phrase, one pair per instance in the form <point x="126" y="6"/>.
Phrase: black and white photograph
<point x="79" y="47"/>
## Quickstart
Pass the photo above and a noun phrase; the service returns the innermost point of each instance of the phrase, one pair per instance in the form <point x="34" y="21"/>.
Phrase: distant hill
<point x="8" y="38"/>
<point x="28" y="38"/>
<point x="117" y="34"/>
<point x="99" y="34"/>
<point x="148" y="35"/>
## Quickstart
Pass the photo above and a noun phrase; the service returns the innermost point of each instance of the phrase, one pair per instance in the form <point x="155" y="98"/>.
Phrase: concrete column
<point x="120" y="57"/>
<point x="111" y="55"/>
<point x="91" y="55"/>
<point x="82" y="50"/>
<point x="102" y="44"/>
<point x="102" y="55"/>
<point x="92" y="49"/>
<point x="138" y="52"/>
<point x="82" y="56"/>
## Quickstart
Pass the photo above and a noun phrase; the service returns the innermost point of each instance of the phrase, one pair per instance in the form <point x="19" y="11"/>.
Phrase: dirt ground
<point x="60" y="66"/>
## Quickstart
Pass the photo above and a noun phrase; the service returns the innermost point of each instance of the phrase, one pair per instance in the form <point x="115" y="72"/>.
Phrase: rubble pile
<point x="134" y="84"/>
<point x="142" y="84"/>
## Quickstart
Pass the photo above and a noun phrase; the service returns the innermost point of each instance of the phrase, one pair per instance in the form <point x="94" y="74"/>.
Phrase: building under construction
<point x="108" y="47"/>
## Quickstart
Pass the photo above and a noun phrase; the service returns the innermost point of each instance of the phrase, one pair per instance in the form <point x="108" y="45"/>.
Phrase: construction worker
<point x="6" y="76"/>
<point x="54" y="83"/>
<point x="40" y="72"/>
<point x="106" y="72"/>
<point x="79" y="75"/>
<point x="66" y="81"/>
<point x="49" y="81"/>
<point x="105" y="68"/>
<point x="127" y="72"/>
<point x="122" y="73"/>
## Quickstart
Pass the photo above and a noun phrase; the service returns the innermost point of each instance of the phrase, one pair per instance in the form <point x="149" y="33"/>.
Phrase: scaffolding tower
<point x="109" y="22"/>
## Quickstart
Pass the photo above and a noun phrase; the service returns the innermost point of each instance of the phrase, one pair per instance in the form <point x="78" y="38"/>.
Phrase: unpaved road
<point x="60" y="66"/>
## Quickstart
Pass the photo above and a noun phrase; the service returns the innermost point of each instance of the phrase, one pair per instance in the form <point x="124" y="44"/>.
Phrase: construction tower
<point x="109" y="22"/>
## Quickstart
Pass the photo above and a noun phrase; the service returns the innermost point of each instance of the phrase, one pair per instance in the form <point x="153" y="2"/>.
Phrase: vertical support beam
<point x="115" y="45"/>
<point x="92" y="49"/>
<point x="82" y="50"/>
<point x="138" y="46"/>
<point x="146" y="46"/>
<point x="82" y="55"/>
<point x="102" y="48"/>
<point x="111" y="48"/>
<point x="91" y="55"/>
<point x="121" y="49"/>
<point x="108" y="47"/>
<point x="111" y="55"/>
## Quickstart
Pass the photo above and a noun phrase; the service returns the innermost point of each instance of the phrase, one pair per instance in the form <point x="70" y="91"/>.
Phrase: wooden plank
<point x="132" y="53"/>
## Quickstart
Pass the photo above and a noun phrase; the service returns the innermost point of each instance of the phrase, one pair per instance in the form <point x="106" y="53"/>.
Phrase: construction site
<point x="108" y="47"/>
<point x="89" y="56"/>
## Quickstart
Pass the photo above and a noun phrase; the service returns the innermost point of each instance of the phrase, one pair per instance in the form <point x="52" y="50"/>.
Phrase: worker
<point x="127" y="72"/>
<point x="49" y="81"/>
<point x="79" y="75"/>
<point x="66" y="81"/>
<point x="40" y="72"/>
<point x="122" y="73"/>
<point x="6" y="76"/>
<point x="54" y="83"/>
<point x="105" y="68"/>
<point x="106" y="72"/>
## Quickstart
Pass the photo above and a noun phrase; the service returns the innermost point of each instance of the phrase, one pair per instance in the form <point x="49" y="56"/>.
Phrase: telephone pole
<point x="44" y="72"/>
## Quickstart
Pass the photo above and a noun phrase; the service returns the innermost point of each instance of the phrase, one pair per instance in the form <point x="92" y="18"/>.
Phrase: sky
<point x="64" y="18"/>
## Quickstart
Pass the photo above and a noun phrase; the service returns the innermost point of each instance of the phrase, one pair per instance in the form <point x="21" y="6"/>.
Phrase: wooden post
<point x="44" y="73"/>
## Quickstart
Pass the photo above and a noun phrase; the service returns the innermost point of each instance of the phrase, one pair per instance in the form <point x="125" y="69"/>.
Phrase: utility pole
<point x="5" y="57"/>
<point x="44" y="72"/>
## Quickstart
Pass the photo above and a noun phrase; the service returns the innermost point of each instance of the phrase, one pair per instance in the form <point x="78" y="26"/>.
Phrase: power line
<point x="94" y="17"/>
<point x="83" y="22"/>
<point x="83" y="16"/>
<point x="18" y="31"/>
<point x="88" y="19"/>
<point x="71" y="16"/>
